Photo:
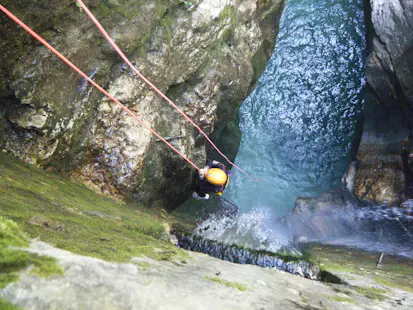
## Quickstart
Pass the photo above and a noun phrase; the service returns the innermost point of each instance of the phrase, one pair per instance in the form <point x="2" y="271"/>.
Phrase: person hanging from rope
<point x="212" y="179"/>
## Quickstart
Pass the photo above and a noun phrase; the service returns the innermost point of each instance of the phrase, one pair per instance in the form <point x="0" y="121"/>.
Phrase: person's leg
<point x="199" y="192"/>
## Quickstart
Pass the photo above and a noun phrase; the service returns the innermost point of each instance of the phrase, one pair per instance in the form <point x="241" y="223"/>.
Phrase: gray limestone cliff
<point x="205" y="55"/>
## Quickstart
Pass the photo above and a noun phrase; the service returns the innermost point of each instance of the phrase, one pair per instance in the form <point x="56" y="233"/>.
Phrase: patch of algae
<point x="72" y="217"/>
<point x="5" y="305"/>
<point x="236" y="285"/>
<point x="144" y="265"/>
<point x="13" y="260"/>
<point x="371" y="293"/>
<point x="394" y="272"/>
<point x="394" y="284"/>
<point x="342" y="299"/>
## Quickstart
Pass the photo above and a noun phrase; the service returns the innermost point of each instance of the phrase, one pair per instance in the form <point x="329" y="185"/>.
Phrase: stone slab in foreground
<point x="201" y="282"/>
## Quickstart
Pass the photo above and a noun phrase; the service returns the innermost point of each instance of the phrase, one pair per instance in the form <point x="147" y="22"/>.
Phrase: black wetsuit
<point x="204" y="187"/>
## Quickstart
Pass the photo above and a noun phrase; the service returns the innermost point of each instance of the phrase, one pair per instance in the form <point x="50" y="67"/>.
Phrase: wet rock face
<point x="384" y="172"/>
<point x="322" y="218"/>
<point x="235" y="254"/>
<point x="200" y="53"/>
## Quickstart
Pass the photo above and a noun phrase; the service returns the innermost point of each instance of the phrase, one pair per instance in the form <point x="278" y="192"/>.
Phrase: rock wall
<point x="202" y="54"/>
<point x="385" y="155"/>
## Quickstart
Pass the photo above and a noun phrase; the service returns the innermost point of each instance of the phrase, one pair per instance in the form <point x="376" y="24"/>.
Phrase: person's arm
<point x="204" y="170"/>
<point x="219" y="165"/>
<point x="211" y="164"/>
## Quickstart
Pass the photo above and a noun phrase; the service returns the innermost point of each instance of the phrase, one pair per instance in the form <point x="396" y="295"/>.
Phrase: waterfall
<point x="298" y="125"/>
<point x="298" y="128"/>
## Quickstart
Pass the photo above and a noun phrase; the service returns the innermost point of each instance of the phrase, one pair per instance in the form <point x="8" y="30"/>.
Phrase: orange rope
<point x="34" y="34"/>
<point x="154" y="88"/>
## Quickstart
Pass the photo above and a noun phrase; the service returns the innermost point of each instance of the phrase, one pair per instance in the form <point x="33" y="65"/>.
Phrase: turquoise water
<point x="299" y="123"/>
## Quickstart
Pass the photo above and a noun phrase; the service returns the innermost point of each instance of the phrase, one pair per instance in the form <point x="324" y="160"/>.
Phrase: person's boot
<point x="196" y="196"/>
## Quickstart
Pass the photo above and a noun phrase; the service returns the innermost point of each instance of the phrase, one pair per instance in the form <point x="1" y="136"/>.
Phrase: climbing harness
<point x="122" y="55"/>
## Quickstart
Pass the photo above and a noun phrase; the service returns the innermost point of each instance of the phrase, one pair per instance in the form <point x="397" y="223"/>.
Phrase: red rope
<point x="154" y="88"/>
<point x="34" y="34"/>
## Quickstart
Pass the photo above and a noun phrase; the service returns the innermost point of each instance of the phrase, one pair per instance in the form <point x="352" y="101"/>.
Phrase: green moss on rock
<point x="236" y="285"/>
<point x="11" y="235"/>
<point x="5" y="305"/>
<point x="371" y="293"/>
<point x="342" y="299"/>
<point x="143" y="265"/>
<point x="13" y="260"/>
<point x="394" y="284"/>
<point x="342" y="261"/>
<point x="79" y="220"/>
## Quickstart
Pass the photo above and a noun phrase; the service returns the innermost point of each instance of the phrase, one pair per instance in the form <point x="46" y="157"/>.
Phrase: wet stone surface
<point x="235" y="254"/>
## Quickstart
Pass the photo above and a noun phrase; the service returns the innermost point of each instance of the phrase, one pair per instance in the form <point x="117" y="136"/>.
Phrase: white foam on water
<point x="256" y="229"/>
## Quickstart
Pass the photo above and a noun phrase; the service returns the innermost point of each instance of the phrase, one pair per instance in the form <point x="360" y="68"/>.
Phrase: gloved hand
<point x="202" y="172"/>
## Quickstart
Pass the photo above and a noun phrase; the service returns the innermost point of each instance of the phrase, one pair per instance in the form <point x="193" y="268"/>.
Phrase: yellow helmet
<point x="216" y="176"/>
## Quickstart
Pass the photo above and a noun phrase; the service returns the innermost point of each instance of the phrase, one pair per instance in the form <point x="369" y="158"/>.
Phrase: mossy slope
<point x="72" y="217"/>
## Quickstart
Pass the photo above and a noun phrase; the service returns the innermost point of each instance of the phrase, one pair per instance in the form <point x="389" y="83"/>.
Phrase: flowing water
<point x="370" y="228"/>
<point x="298" y="125"/>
